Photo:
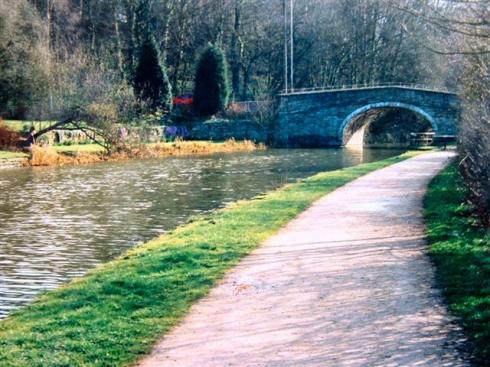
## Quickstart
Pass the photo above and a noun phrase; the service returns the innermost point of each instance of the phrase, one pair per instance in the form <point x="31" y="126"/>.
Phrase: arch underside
<point x="366" y="115"/>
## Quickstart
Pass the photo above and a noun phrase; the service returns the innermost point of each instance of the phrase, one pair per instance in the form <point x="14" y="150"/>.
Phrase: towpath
<point x="347" y="283"/>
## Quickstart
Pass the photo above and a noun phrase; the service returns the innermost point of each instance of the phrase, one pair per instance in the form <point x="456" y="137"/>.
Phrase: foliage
<point x="25" y="125"/>
<point x="92" y="97"/>
<point x="336" y="42"/>
<point x="462" y="28"/>
<point x="114" y="314"/>
<point x="148" y="73"/>
<point x="150" y="77"/>
<point x="211" y="91"/>
<point x="474" y="138"/>
<point x="93" y="90"/>
<point x="8" y="137"/>
<point x="460" y="249"/>
<point x="23" y="69"/>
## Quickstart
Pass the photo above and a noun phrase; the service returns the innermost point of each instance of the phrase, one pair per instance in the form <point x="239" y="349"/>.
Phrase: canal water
<point x="57" y="223"/>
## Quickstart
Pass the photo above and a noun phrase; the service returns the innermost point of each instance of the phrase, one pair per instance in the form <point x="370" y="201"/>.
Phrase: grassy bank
<point x="19" y="125"/>
<point x="77" y="148"/>
<point x="461" y="252"/>
<point x="4" y="154"/>
<point x="114" y="314"/>
<point x="92" y="153"/>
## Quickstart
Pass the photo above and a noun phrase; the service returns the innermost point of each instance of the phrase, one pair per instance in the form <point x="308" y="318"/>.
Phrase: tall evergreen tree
<point x="150" y="79"/>
<point x="212" y="90"/>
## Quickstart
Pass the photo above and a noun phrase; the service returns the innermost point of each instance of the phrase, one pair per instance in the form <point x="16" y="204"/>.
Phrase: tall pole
<point x="291" y="35"/>
<point x="285" y="46"/>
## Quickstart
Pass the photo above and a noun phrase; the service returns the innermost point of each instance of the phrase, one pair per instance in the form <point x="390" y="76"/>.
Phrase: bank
<point x="115" y="313"/>
<point x="460" y="251"/>
<point x="12" y="159"/>
<point x="61" y="155"/>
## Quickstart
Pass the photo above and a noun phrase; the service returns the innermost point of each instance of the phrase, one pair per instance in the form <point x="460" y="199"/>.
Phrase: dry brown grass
<point x="8" y="137"/>
<point x="180" y="147"/>
<point x="47" y="156"/>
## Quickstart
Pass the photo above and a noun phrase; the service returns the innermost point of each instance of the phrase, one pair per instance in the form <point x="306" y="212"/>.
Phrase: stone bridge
<point x="328" y="117"/>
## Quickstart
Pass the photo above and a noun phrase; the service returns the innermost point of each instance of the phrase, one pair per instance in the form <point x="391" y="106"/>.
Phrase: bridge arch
<point x="325" y="117"/>
<point x="372" y="106"/>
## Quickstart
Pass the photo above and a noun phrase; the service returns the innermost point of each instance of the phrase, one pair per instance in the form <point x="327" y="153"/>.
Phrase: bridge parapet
<point x="335" y="88"/>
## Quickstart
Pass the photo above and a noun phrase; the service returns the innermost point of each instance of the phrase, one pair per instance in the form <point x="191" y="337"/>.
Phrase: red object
<point x="184" y="99"/>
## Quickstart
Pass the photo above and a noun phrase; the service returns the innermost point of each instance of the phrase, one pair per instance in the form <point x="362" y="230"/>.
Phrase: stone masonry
<point x="321" y="118"/>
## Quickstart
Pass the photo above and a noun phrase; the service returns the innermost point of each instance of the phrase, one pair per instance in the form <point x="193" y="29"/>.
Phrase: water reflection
<point x="56" y="223"/>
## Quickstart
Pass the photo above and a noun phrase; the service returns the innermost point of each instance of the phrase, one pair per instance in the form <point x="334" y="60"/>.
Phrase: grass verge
<point x="75" y="148"/>
<point x="92" y="153"/>
<point x="114" y="314"/>
<point x="19" y="125"/>
<point x="4" y="154"/>
<point x="460" y="250"/>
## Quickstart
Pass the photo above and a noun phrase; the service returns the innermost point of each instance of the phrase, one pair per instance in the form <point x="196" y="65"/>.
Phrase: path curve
<point x="347" y="283"/>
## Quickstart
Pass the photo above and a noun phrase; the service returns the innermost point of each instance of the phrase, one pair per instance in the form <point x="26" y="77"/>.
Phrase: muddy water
<point x="57" y="223"/>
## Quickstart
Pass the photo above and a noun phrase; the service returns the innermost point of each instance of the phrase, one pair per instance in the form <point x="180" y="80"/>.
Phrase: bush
<point x="474" y="136"/>
<point x="93" y="97"/>
<point x="23" y="59"/>
<point x="83" y="84"/>
<point x="8" y="138"/>
<point x="212" y="90"/>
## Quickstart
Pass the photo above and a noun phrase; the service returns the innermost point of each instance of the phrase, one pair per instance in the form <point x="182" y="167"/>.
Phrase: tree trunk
<point x="235" y="52"/>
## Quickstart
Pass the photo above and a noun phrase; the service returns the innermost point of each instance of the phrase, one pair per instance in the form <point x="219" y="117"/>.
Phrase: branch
<point x="55" y="126"/>
<point x="438" y="22"/>
<point x="93" y="137"/>
<point x="447" y="53"/>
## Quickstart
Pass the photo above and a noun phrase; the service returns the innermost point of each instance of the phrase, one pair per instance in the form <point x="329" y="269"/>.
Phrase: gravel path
<point x="347" y="283"/>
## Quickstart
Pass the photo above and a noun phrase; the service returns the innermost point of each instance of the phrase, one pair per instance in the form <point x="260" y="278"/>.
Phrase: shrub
<point x="8" y="137"/>
<point x="94" y="97"/>
<point x="211" y="91"/>
<point x="23" y="54"/>
<point x="474" y="136"/>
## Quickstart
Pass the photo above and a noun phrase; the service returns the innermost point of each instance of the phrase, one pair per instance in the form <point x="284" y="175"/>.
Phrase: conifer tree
<point x="212" y="90"/>
<point x="150" y="79"/>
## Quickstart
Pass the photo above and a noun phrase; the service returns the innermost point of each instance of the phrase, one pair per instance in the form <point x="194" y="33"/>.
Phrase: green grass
<point x="87" y="148"/>
<point x="4" y="154"/>
<point x="460" y="250"/>
<point x="18" y="125"/>
<point x="114" y="314"/>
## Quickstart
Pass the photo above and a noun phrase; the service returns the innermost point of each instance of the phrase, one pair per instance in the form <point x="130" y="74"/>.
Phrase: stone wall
<point x="220" y="129"/>
<point x="133" y="134"/>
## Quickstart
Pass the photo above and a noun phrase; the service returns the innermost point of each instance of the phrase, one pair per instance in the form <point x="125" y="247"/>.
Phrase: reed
<point x="181" y="147"/>
<point x="48" y="156"/>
